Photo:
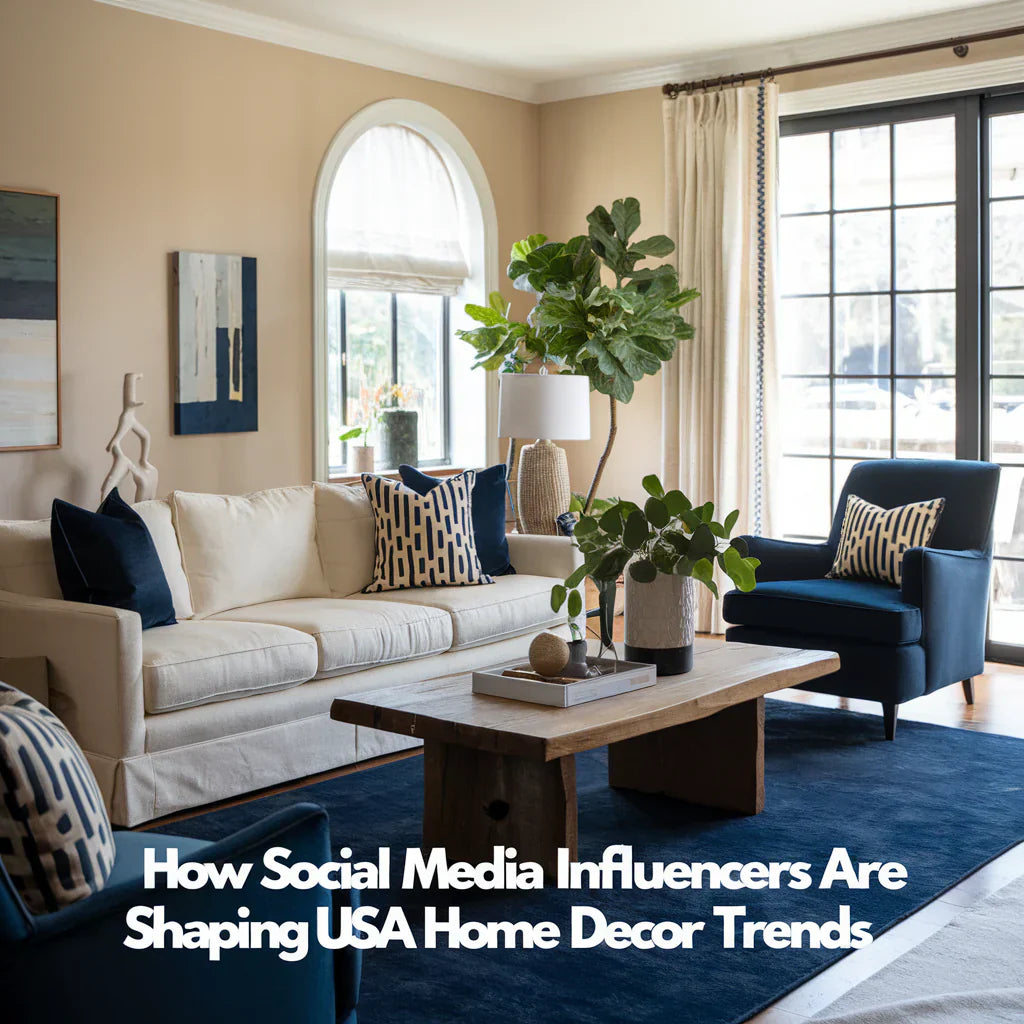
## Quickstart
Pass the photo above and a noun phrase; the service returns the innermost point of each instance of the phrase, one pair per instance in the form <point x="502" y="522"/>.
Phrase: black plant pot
<point x="399" y="437"/>
<point x="577" y="652"/>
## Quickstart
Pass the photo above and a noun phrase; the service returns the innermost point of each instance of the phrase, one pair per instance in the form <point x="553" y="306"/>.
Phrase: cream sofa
<point x="271" y="627"/>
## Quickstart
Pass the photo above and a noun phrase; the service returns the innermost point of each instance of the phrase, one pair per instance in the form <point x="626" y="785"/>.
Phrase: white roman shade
<point x="393" y="219"/>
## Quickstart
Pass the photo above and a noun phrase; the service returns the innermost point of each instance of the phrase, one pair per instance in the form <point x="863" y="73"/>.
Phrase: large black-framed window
<point x="902" y="270"/>
<point x="379" y="340"/>
<point x="1002" y="357"/>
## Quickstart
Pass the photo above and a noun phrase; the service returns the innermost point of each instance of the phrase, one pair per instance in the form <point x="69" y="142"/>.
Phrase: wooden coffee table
<point x="499" y="772"/>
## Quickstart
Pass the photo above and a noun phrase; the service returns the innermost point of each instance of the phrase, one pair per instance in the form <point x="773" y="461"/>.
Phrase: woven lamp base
<point x="544" y="492"/>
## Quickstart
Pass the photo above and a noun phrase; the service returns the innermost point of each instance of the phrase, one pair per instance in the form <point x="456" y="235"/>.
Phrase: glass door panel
<point x="1004" y="412"/>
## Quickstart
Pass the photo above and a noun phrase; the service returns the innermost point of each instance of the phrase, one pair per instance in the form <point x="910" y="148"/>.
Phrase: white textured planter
<point x="659" y="623"/>
<point x="362" y="458"/>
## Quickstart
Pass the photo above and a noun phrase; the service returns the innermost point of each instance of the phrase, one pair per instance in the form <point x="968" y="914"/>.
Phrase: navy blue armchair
<point x="73" y="965"/>
<point x="894" y="643"/>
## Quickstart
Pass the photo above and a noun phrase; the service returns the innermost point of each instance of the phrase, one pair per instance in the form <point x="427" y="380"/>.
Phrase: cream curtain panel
<point x="393" y="220"/>
<point x="719" y="390"/>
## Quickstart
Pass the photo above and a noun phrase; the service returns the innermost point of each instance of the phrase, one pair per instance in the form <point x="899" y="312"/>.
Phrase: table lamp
<point x="549" y="407"/>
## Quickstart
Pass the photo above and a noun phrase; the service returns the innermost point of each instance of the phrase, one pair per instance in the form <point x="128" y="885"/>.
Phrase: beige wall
<point x="160" y="136"/>
<point x="601" y="148"/>
<point x="596" y="150"/>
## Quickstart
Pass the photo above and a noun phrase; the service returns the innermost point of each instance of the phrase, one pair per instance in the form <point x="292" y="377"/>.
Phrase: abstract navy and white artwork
<point x="216" y="386"/>
<point x="29" y="345"/>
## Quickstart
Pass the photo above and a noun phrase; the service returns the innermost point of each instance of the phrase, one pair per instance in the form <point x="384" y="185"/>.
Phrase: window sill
<point x="392" y="474"/>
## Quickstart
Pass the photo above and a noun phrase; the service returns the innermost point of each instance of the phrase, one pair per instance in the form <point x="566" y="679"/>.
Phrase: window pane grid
<point x="896" y="341"/>
<point x="891" y="374"/>
<point x="386" y="339"/>
<point x="1004" y="406"/>
<point x="881" y="207"/>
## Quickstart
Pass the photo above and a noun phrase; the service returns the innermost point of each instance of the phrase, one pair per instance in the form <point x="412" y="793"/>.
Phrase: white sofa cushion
<point x="156" y="515"/>
<point x="480" y="615"/>
<point x="345" y="535"/>
<point x="242" y="550"/>
<point x="26" y="558"/>
<point x="201" y="662"/>
<point x="353" y="634"/>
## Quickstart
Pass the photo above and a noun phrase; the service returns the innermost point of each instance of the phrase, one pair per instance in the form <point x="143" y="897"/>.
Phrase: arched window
<point x="401" y="245"/>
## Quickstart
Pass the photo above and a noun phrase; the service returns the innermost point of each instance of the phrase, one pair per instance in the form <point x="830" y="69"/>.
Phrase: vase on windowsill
<point x="398" y="432"/>
<point x="362" y="458"/>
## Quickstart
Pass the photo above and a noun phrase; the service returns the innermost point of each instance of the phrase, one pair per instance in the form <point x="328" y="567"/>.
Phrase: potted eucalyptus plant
<point x="662" y="547"/>
<point x="614" y="334"/>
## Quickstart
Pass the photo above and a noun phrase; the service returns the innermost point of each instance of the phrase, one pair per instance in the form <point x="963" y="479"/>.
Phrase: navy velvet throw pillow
<point x="488" y="513"/>
<point x="108" y="557"/>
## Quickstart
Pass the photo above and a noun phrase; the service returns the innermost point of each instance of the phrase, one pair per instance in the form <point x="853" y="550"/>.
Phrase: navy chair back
<point x="968" y="487"/>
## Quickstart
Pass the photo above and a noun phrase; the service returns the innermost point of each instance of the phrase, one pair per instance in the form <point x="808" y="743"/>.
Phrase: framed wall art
<point x="29" y="320"/>
<point x="216" y="378"/>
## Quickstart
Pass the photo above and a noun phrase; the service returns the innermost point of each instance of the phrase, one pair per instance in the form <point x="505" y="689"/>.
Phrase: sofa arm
<point x="951" y="589"/>
<point x="542" y="555"/>
<point x="790" y="560"/>
<point x="95" y="666"/>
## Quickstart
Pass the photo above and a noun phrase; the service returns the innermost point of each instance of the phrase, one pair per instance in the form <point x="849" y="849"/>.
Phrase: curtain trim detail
<point x="759" y="402"/>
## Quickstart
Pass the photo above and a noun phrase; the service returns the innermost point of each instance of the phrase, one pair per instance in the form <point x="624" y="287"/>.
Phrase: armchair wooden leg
<point x="968" y="685"/>
<point x="889" y="713"/>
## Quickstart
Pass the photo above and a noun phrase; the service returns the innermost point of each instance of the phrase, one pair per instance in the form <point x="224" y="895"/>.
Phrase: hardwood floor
<point x="998" y="703"/>
<point x="998" y="707"/>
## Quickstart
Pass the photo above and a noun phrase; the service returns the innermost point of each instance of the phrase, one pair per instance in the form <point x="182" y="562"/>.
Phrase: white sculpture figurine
<point x="143" y="472"/>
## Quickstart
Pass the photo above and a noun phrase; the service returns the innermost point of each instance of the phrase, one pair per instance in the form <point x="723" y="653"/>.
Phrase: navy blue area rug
<point x="940" y="801"/>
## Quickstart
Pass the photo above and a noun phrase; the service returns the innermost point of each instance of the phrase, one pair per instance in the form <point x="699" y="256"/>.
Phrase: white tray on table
<point x="631" y="675"/>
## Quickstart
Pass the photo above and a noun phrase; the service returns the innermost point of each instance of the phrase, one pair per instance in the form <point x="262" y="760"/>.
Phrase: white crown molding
<point x="357" y="49"/>
<point x="980" y="75"/>
<point x="391" y="57"/>
<point x="885" y="36"/>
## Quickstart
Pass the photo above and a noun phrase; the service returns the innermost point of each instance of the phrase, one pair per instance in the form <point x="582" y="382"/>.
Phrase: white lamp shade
<point x="553" y="406"/>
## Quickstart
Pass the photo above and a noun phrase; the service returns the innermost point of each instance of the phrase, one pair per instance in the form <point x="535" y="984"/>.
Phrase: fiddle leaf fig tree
<point x="615" y="335"/>
<point x="501" y="343"/>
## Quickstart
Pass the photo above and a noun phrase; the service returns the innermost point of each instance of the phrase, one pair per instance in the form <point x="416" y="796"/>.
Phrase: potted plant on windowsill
<point x="663" y="547"/>
<point x="361" y="454"/>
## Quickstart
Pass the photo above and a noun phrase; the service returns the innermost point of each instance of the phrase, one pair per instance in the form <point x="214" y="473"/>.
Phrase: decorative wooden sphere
<point x="549" y="654"/>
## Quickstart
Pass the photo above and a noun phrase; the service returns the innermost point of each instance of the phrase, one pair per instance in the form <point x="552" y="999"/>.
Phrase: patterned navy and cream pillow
<point x="423" y="540"/>
<point x="873" y="540"/>
<point x="55" y="838"/>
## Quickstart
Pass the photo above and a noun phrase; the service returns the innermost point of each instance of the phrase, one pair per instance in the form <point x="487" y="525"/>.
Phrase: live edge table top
<point x="446" y="710"/>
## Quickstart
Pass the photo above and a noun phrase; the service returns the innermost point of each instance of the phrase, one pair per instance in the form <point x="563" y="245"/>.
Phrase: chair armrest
<point x="542" y="555"/>
<point x="95" y="666"/>
<point x="790" y="560"/>
<point x="81" y="949"/>
<point x="928" y="571"/>
<point x="951" y="589"/>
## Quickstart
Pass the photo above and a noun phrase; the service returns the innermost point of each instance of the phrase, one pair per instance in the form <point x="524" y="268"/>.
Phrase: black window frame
<point x="971" y="111"/>
<point x="446" y="340"/>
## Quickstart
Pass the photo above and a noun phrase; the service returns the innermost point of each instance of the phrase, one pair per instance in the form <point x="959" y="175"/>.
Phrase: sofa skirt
<point x="225" y="764"/>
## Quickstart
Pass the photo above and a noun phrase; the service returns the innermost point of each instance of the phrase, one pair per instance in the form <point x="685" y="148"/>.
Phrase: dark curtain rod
<point x="959" y="45"/>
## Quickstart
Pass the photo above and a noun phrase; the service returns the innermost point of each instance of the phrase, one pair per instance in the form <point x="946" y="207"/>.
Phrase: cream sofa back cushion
<point x="344" y="528"/>
<point x="156" y="515"/>
<point x="251" y="549"/>
<point x="26" y="558"/>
